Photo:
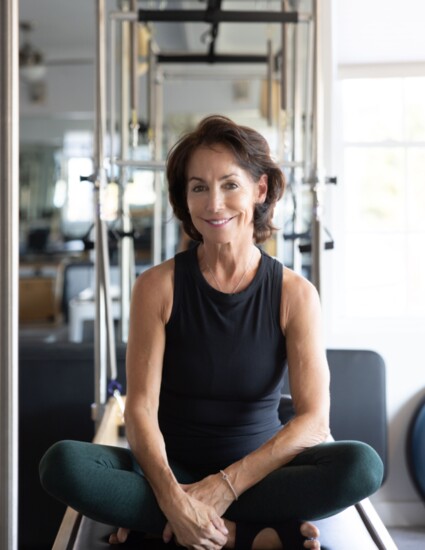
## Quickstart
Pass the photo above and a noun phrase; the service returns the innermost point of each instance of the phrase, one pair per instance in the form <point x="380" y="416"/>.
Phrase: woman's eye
<point x="198" y="188"/>
<point x="231" y="185"/>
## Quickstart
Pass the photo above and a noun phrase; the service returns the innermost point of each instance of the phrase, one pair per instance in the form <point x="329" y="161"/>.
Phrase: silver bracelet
<point x="229" y="483"/>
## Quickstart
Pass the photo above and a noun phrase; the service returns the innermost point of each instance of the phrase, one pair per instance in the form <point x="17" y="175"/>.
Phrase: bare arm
<point x="191" y="521"/>
<point x="150" y="308"/>
<point x="309" y="378"/>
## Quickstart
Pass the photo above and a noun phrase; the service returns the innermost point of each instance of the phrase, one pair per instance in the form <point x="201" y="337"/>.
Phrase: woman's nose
<point x="215" y="200"/>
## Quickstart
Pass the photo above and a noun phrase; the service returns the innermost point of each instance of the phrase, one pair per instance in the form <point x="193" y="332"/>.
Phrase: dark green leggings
<point x="106" y="484"/>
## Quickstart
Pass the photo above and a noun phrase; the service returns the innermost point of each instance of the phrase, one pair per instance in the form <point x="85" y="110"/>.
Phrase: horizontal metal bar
<point x="212" y="75"/>
<point x="206" y="58"/>
<point x="218" y="16"/>
<point x="291" y="164"/>
<point x="158" y="165"/>
<point x="124" y="15"/>
<point x="154" y="165"/>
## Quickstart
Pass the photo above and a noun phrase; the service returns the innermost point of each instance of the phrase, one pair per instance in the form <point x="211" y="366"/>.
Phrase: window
<point x="384" y="189"/>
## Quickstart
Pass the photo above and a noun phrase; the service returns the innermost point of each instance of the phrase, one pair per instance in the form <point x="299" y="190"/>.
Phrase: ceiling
<point x="64" y="30"/>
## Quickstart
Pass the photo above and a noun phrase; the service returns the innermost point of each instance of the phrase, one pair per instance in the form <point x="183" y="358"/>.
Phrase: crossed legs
<point x="106" y="484"/>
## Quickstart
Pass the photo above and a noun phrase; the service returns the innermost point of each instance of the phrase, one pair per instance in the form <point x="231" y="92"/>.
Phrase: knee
<point x="54" y="465"/>
<point x="364" y="468"/>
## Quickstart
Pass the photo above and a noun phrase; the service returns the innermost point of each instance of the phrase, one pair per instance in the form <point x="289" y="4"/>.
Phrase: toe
<point x="309" y="530"/>
<point x="119" y="537"/>
<point x="113" y="538"/>
<point x="312" y="533"/>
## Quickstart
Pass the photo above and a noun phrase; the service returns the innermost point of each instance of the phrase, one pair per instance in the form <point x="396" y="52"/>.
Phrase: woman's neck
<point x="229" y="269"/>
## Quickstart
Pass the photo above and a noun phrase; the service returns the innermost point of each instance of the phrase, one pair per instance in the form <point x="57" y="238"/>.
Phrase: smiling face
<point x="221" y="195"/>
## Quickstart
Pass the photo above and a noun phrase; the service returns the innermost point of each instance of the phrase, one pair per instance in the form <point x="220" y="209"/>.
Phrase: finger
<point x="216" y="536"/>
<point x="219" y="539"/>
<point x="167" y="534"/>
<point x="220" y="525"/>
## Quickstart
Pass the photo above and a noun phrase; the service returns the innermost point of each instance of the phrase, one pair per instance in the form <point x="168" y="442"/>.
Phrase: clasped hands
<point x="194" y="515"/>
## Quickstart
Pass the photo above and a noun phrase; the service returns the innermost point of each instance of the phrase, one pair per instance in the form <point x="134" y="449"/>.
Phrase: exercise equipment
<point x="358" y="398"/>
<point x="415" y="449"/>
<point x="9" y="272"/>
<point x="56" y="386"/>
<point x="356" y="527"/>
<point x="358" y="393"/>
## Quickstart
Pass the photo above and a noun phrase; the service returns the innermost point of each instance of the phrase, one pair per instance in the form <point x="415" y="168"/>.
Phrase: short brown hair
<point x="252" y="153"/>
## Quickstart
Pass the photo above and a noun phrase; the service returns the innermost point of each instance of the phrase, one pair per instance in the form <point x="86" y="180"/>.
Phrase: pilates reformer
<point x="349" y="369"/>
<point x="358" y="527"/>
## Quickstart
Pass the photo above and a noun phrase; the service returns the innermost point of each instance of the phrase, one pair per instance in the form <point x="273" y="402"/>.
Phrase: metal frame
<point x="104" y="353"/>
<point x="128" y="66"/>
<point x="9" y="266"/>
<point x="317" y="241"/>
<point x="215" y="16"/>
<point x="104" y="334"/>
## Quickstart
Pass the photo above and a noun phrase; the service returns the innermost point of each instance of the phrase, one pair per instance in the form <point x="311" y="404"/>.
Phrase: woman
<point x="210" y="333"/>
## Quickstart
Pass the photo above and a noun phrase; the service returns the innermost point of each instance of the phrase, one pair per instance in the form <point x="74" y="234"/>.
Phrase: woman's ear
<point x="262" y="187"/>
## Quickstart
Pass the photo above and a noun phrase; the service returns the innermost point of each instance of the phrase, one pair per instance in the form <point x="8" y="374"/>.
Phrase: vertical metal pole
<point x="112" y="92"/>
<point x="126" y="243"/>
<point x="317" y="242"/>
<point x="308" y="100"/>
<point x="157" y="225"/>
<point x="283" y="68"/>
<point x="104" y="329"/>
<point x="9" y="231"/>
<point x="134" y="54"/>
<point x="269" y="82"/>
<point x="155" y="127"/>
<point x="296" y="152"/>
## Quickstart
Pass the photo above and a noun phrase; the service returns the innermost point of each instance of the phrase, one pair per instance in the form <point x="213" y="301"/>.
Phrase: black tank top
<point x="223" y="366"/>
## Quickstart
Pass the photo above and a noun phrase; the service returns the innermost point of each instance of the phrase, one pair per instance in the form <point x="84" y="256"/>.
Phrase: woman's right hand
<point x="194" y="525"/>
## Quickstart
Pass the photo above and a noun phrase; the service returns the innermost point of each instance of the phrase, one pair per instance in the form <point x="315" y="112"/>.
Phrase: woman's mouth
<point x="218" y="223"/>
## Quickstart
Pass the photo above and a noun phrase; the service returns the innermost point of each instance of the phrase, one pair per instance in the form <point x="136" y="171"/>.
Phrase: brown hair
<point x="252" y="153"/>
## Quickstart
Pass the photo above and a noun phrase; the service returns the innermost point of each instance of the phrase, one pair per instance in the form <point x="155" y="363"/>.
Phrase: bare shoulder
<point x="299" y="297"/>
<point x="297" y="287"/>
<point x="153" y="290"/>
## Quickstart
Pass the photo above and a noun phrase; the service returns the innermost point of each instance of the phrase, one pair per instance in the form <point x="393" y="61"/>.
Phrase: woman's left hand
<point x="212" y="491"/>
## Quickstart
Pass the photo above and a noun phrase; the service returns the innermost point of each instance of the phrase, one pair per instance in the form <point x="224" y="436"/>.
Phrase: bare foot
<point x="310" y="531"/>
<point x="119" y="537"/>
<point x="268" y="539"/>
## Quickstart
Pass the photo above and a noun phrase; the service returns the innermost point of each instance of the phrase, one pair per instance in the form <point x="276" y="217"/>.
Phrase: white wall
<point x="379" y="32"/>
<point x="384" y="31"/>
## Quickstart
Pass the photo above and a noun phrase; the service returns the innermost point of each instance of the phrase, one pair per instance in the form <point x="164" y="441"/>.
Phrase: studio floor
<point x="408" y="538"/>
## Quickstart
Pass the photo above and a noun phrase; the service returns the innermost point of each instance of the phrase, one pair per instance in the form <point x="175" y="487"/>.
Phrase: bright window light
<point x="384" y="189"/>
<point x="141" y="191"/>
<point x="80" y="206"/>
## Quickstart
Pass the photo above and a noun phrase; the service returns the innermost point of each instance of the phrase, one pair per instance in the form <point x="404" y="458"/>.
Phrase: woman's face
<point x="221" y="195"/>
